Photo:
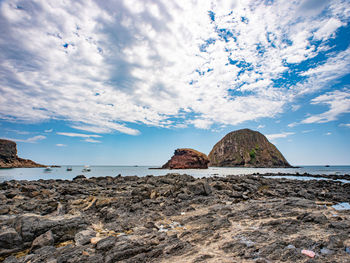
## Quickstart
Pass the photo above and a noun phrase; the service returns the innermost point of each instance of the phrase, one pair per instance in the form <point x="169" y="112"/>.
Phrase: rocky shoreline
<point x="174" y="218"/>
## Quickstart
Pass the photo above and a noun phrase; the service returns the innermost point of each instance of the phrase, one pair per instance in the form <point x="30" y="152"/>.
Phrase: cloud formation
<point x="72" y="134"/>
<point x="103" y="65"/>
<point x="279" y="135"/>
<point x="338" y="102"/>
<point x="92" y="140"/>
<point x="34" y="139"/>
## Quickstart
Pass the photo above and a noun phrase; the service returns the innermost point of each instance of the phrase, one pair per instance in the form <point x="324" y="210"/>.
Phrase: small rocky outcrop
<point x="9" y="158"/>
<point x="187" y="159"/>
<point x="246" y="148"/>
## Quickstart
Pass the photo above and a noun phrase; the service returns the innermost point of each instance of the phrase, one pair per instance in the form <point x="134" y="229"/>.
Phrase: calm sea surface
<point x="62" y="173"/>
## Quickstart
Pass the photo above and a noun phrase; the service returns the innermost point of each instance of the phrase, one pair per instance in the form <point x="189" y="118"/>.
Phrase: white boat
<point x="86" y="169"/>
<point x="47" y="170"/>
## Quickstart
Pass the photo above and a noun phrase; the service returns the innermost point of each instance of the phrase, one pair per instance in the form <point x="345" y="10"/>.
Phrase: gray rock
<point x="326" y="251"/>
<point x="63" y="228"/>
<point x="199" y="188"/>
<point x="106" y="243"/>
<point x="83" y="237"/>
<point x="43" y="240"/>
<point x="11" y="259"/>
<point x="9" y="238"/>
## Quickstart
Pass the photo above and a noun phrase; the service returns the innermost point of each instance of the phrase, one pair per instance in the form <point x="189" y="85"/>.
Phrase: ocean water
<point x="62" y="173"/>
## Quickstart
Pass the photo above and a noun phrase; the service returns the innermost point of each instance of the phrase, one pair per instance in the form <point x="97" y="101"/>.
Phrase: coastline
<point x="173" y="218"/>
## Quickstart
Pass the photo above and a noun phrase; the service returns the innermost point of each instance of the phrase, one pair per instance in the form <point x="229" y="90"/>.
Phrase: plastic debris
<point x="290" y="246"/>
<point x="326" y="251"/>
<point x="308" y="253"/>
<point x="342" y="206"/>
<point x="347" y="250"/>
<point x="162" y="228"/>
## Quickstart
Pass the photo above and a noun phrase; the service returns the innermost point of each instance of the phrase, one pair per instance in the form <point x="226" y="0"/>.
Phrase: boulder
<point x="63" y="228"/>
<point x="43" y="240"/>
<point x="187" y="159"/>
<point x="9" y="239"/>
<point x="83" y="237"/>
<point x="9" y="158"/>
<point x="246" y="148"/>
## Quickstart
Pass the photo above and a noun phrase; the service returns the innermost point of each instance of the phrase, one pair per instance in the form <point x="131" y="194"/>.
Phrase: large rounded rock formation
<point x="9" y="158"/>
<point x="187" y="159"/>
<point x="246" y="148"/>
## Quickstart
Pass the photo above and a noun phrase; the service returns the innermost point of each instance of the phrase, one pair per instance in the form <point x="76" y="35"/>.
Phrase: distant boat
<point x="69" y="169"/>
<point x="326" y="165"/>
<point x="86" y="169"/>
<point x="47" y="170"/>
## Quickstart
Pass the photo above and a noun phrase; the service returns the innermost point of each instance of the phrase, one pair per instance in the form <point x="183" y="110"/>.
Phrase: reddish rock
<point x="9" y="158"/>
<point x="187" y="159"/>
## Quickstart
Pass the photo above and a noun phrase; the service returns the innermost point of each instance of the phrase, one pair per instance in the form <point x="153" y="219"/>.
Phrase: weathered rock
<point x="187" y="159"/>
<point x="79" y="177"/>
<point x="216" y="219"/>
<point x="106" y="243"/>
<point x="11" y="259"/>
<point x="83" y="237"/>
<point x="9" y="158"/>
<point x="199" y="188"/>
<point x="246" y="148"/>
<point x="43" y="240"/>
<point x="9" y="238"/>
<point x="63" y="228"/>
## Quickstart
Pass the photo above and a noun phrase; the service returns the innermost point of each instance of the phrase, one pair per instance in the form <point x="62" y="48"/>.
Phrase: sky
<point x="126" y="82"/>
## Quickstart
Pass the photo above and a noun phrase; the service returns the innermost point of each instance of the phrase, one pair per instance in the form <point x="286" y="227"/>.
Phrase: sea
<point x="95" y="171"/>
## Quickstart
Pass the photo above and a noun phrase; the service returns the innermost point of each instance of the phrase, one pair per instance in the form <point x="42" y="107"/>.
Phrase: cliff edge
<point x="9" y="158"/>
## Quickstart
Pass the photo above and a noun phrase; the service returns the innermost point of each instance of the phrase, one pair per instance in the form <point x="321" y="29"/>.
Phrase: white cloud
<point x="91" y="140"/>
<point x="49" y="130"/>
<point x="307" y="131"/>
<point x="261" y="126"/>
<point x="34" y="139"/>
<point x="278" y="135"/>
<point x="328" y="133"/>
<point x="61" y="145"/>
<point x="345" y="125"/>
<point x="295" y="107"/>
<point x="293" y="124"/>
<point x="103" y="65"/>
<point x="325" y="74"/>
<point x="202" y="123"/>
<point x="18" y="132"/>
<point x="328" y="28"/>
<point x="338" y="102"/>
<point x="72" y="134"/>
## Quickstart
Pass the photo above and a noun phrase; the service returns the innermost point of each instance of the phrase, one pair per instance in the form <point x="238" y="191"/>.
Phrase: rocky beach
<point x="174" y="218"/>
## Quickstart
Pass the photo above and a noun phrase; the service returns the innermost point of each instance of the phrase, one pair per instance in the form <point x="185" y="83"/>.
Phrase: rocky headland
<point x="174" y="218"/>
<point x="246" y="148"/>
<point x="187" y="159"/>
<point x="9" y="158"/>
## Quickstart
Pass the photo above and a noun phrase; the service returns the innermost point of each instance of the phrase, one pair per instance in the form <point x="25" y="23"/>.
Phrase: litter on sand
<point x="308" y="253"/>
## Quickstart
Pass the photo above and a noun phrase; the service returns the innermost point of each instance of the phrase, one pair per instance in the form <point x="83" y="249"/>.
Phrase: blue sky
<point x="128" y="82"/>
